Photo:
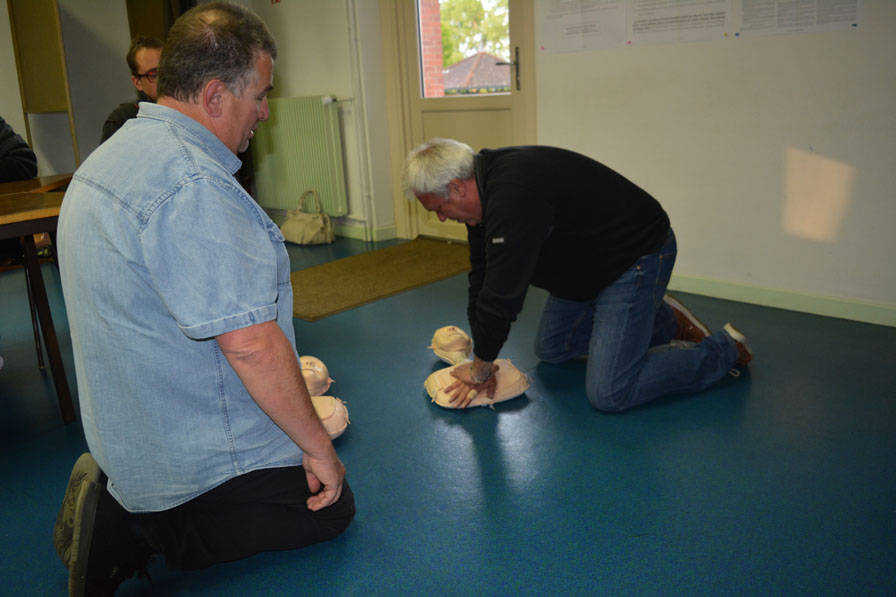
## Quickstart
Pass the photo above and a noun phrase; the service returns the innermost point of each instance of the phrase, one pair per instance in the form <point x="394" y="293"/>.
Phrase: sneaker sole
<point x="86" y="470"/>
<point x="738" y="337"/>
<point x="676" y="305"/>
<point x="85" y="515"/>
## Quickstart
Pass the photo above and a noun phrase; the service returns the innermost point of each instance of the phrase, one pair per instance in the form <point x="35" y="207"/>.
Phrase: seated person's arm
<point x="17" y="161"/>
<point x="265" y="361"/>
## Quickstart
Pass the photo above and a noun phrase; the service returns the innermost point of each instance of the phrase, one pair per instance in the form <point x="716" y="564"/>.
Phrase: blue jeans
<point x="618" y="328"/>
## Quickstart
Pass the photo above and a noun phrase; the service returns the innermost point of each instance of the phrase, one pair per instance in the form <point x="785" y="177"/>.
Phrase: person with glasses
<point x="143" y="59"/>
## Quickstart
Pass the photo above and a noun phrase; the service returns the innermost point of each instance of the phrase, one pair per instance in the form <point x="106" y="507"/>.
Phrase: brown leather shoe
<point x="690" y="328"/>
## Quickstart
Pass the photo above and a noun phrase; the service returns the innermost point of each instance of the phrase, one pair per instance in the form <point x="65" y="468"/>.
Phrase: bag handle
<point x="317" y="202"/>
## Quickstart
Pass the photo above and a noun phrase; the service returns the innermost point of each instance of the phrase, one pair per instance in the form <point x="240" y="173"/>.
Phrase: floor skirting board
<point x="345" y="227"/>
<point x="854" y="310"/>
<point x="358" y="231"/>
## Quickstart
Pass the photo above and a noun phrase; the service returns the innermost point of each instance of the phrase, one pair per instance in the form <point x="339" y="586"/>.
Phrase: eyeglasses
<point x="151" y="75"/>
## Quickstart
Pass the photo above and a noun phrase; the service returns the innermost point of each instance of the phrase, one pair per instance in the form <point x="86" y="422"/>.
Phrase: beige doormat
<point x="350" y="282"/>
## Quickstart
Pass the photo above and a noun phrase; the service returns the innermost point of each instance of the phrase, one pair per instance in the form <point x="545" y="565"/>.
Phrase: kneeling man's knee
<point x="550" y="357"/>
<point x="336" y="518"/>
<point x="607" y="401"/>
<point x="554" y="354"/>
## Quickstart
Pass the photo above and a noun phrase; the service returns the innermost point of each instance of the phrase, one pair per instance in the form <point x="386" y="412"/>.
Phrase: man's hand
<point x="266" y="362"/>
<point x="465" y="389"/>
<point x="325" y="478"/>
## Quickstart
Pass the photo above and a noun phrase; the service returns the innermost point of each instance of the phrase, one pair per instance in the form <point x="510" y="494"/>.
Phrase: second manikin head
<point x="316" y="374"/>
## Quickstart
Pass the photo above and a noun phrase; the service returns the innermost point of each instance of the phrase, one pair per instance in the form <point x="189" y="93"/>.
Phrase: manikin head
<point x="451" y="344"/>
<point x="316" y="374"/>
<point x="143" y="59"/>
<point x="439" y="173"/>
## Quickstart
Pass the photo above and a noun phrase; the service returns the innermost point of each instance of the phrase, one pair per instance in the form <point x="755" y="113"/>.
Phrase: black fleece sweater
<point x="557" y="220"/>
<point x="17" y="161"/>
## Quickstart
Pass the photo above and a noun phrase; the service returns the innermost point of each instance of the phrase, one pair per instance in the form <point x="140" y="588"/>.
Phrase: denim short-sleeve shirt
<point x="161" y="250"/>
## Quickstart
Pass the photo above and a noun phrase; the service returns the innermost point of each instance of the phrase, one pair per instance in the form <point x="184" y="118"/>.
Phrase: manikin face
<point x="462" y="204"/>
<point x="451" y="338"/>
<point x="242" y="114"/>
<point x="316" y="374"/>
<point x="147" y="60"/>
<point x="451" y="344"/>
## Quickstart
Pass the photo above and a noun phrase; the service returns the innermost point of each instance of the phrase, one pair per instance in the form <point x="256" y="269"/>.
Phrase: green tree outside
<point x="471" y="26"/>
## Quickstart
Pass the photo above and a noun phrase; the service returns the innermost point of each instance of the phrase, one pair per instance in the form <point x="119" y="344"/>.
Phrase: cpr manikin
<point x="511" y="383"/>
<point x="332" y="411"/>
<point x="453" y="345"/>
<point x="316" y="374"/>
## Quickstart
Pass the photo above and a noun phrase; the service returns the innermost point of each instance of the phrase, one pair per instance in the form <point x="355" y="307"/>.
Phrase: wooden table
<point x="24" y="215"/>
<point x="41" y="184"/>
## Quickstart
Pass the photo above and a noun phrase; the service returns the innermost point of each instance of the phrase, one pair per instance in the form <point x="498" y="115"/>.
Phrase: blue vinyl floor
<point x="780" y="482"/>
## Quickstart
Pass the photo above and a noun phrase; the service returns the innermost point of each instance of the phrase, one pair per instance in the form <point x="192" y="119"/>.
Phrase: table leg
<point x="49" y="331"/>
<point x="34" y="322"/>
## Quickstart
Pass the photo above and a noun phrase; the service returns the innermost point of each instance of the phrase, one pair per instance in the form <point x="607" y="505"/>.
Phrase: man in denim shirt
<point x="178" y="294"/>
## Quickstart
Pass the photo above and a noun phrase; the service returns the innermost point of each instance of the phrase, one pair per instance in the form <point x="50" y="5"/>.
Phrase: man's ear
<point x="457" y="185"/>
<point x="213" y="98"/>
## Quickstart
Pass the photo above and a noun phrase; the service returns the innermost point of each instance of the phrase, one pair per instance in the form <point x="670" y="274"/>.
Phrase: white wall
<point x="333" y="48"/>
<point x="96" y="40"/>
<point x="10" y="99"/>
<point x="50" y="137"/>
<point x="774" y="156"/>
<point x="372" y="91"/>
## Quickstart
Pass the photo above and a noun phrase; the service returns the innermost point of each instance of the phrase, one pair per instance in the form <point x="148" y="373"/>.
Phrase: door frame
<point x="398" y="24"/>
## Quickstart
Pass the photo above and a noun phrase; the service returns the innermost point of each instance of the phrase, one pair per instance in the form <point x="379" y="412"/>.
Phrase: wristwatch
<point x="476" y="380"/>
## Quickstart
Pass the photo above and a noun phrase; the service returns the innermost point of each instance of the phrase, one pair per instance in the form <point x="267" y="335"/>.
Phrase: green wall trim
<point x="355" y="230"/>
<point x="350" y="231"/>
<point x="857" y="310"/>
<point x="387" y="233"/>
<point x="359" y="232"/>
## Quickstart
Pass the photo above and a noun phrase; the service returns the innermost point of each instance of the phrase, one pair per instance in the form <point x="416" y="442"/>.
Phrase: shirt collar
<point x="201" y="135"/>
<point x="479" y="175"/>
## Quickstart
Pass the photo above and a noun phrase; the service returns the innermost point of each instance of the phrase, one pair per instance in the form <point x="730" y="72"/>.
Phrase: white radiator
<point x="297" y="149"/>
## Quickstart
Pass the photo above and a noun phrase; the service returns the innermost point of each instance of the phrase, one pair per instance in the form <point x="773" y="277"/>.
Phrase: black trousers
<point x="260" y="511"/>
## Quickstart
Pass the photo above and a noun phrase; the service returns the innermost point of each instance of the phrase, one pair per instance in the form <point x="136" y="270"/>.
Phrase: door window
<point x="464" y="47"/>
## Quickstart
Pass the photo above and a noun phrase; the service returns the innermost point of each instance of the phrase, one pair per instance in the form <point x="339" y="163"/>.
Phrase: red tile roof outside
<point x="477" y="72"/>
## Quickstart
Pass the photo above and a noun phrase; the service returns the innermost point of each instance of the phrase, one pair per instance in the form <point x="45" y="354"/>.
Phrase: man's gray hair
<point x="431" y="166"/>
<point x="214" y="40"/>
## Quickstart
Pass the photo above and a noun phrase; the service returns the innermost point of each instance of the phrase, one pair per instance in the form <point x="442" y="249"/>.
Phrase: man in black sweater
<point x="143" y="59"/>
<point x="17" y="160"/>
<point x="600" y="245"/>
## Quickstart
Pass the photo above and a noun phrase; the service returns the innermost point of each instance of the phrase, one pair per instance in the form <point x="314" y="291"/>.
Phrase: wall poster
<point x="583" y="25"/>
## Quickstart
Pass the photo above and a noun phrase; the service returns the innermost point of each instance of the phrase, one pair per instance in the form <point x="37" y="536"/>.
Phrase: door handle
<point x="515" y="64"/>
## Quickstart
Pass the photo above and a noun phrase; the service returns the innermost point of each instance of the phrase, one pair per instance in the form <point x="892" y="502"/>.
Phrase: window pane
<point x="460" y="43"/>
